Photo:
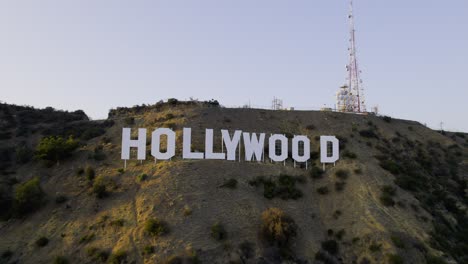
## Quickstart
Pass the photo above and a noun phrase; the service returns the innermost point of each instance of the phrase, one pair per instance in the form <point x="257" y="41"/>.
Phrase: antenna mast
<point x="350" y="97"/>
<point x="355" y="82"/>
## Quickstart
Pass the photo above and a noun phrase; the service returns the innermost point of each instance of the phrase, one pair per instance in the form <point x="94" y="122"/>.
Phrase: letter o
<point x="295" y="148"/>
<point x="272" y="147"/>
<point x="156" y="143"/>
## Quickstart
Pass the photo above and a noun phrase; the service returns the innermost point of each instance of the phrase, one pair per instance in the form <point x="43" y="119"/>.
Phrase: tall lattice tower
<point x="350" y="97"/>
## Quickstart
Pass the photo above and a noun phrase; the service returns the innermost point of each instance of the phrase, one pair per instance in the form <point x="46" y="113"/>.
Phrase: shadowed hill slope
<point x="398" y="194"/>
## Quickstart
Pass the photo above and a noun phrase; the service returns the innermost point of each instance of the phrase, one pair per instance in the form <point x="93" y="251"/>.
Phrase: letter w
<point x="253" y="146"/>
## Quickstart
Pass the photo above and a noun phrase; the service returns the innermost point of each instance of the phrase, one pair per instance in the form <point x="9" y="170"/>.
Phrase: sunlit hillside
<point x="398" y="194"/>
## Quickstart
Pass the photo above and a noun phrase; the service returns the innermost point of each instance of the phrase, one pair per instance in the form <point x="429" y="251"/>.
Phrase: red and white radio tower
<point x="350" y="97"/>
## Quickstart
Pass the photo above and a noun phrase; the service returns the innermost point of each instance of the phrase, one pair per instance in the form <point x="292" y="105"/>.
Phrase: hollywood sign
<point x="253" y="145"/>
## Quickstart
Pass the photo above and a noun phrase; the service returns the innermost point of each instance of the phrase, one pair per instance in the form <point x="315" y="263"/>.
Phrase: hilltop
<point x="398" y="194"/>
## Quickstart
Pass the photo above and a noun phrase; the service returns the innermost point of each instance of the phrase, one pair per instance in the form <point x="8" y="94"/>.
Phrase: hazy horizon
<point x="98" y="55"/>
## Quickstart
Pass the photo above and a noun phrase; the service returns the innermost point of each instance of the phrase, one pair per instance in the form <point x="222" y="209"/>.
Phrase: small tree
<point x="218" y="232"/>
<point x="42" y="241"/>
<point x="54" y="149"/>
<point x="277" y="228"/>
<point x="155" y="227"/>
<point x="28" y="197"/>
<point x="99" y="187"/>
<point x="90" y="173"/>
<point x="316" y="172"/>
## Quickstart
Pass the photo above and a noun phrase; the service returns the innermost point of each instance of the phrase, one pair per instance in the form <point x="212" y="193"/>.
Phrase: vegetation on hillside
<point x="53" y="149"/>
<point x="109" y="216"/>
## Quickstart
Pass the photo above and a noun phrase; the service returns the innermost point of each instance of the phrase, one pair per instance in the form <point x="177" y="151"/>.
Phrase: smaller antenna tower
<point x="276" y="104"/>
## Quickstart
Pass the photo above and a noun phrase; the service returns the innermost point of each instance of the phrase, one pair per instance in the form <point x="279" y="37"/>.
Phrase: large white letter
<point x="209" y="154"/>
<point x="272" y="147"/>
<point x="231" y="144"/>
<point x="295" y="148"/>
<point x="187" y="146"/>
<point x="324" y="158"/>
<point x="128" y="143"/>
<point x="253" y="145"/>
<point x="156" y="143"/>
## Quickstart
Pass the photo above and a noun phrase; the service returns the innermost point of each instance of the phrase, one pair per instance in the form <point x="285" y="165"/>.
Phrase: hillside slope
<point x="398" y="194"/>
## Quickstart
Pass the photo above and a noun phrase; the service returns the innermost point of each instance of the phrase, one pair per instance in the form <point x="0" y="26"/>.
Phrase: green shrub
<point x="339" y="186"/>
<point x="7" y="254"/>
<point x="391" y="166"/>
<point x="80" y="171"/>
<point x="218" y="232"/>
<point x="187" y="210"/>
<point x="92" y="132"/>
<point x="342" y="174"/>
<point x="349" y="154"/>
<point x="172" y="101"/>
<point x="247" y="250"/>
<point x="277" y="228"/>
<point x="129" y="120"/>
<point x="358" y="171"/>
<point x="60" y="199"/>
<point x="230" y="184"/>
<point x="142" y="177"/>
<point x="368" y="133"/>
<point x="323" y="190"/>
<point x="324" y="257"/>
<point x="374" y="247"/>
<point x="90" y="173"/>
<point x="397" y="241"/>
<point x="389" y="190"/>
<point x="340" y="234"/>
<point x="97" y="255"/>
<point x="155" y="227"/>
<point x="42" y="241"/>
<point x="284" y="187"/>
<point x="118" y="223"/>
<point x="118" y="257"/>
<point x="387" y="119"/>
<point x="60" y="260"/>
<point x="23" y="154"/>
<point x="395" y="259"/>
<point x="28" y="197"/>
<point x="87" y="238"/>
<point x="106" y="140"/>
<point x="53" y="149"/>
<point x="98" y="154"/>
<point x="337" y="214"/>
<point x="316" y="172"/>
<point x="331" y="246"/>
<point x="148" y="250"/>
<point x="99" y="187"/>
<point x="121" y="170"/>
<point x="314" y="155"/>
<point x="386" y="200"/>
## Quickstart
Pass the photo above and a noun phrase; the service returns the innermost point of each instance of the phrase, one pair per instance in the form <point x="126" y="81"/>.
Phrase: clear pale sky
<point x="98" y="54"/>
